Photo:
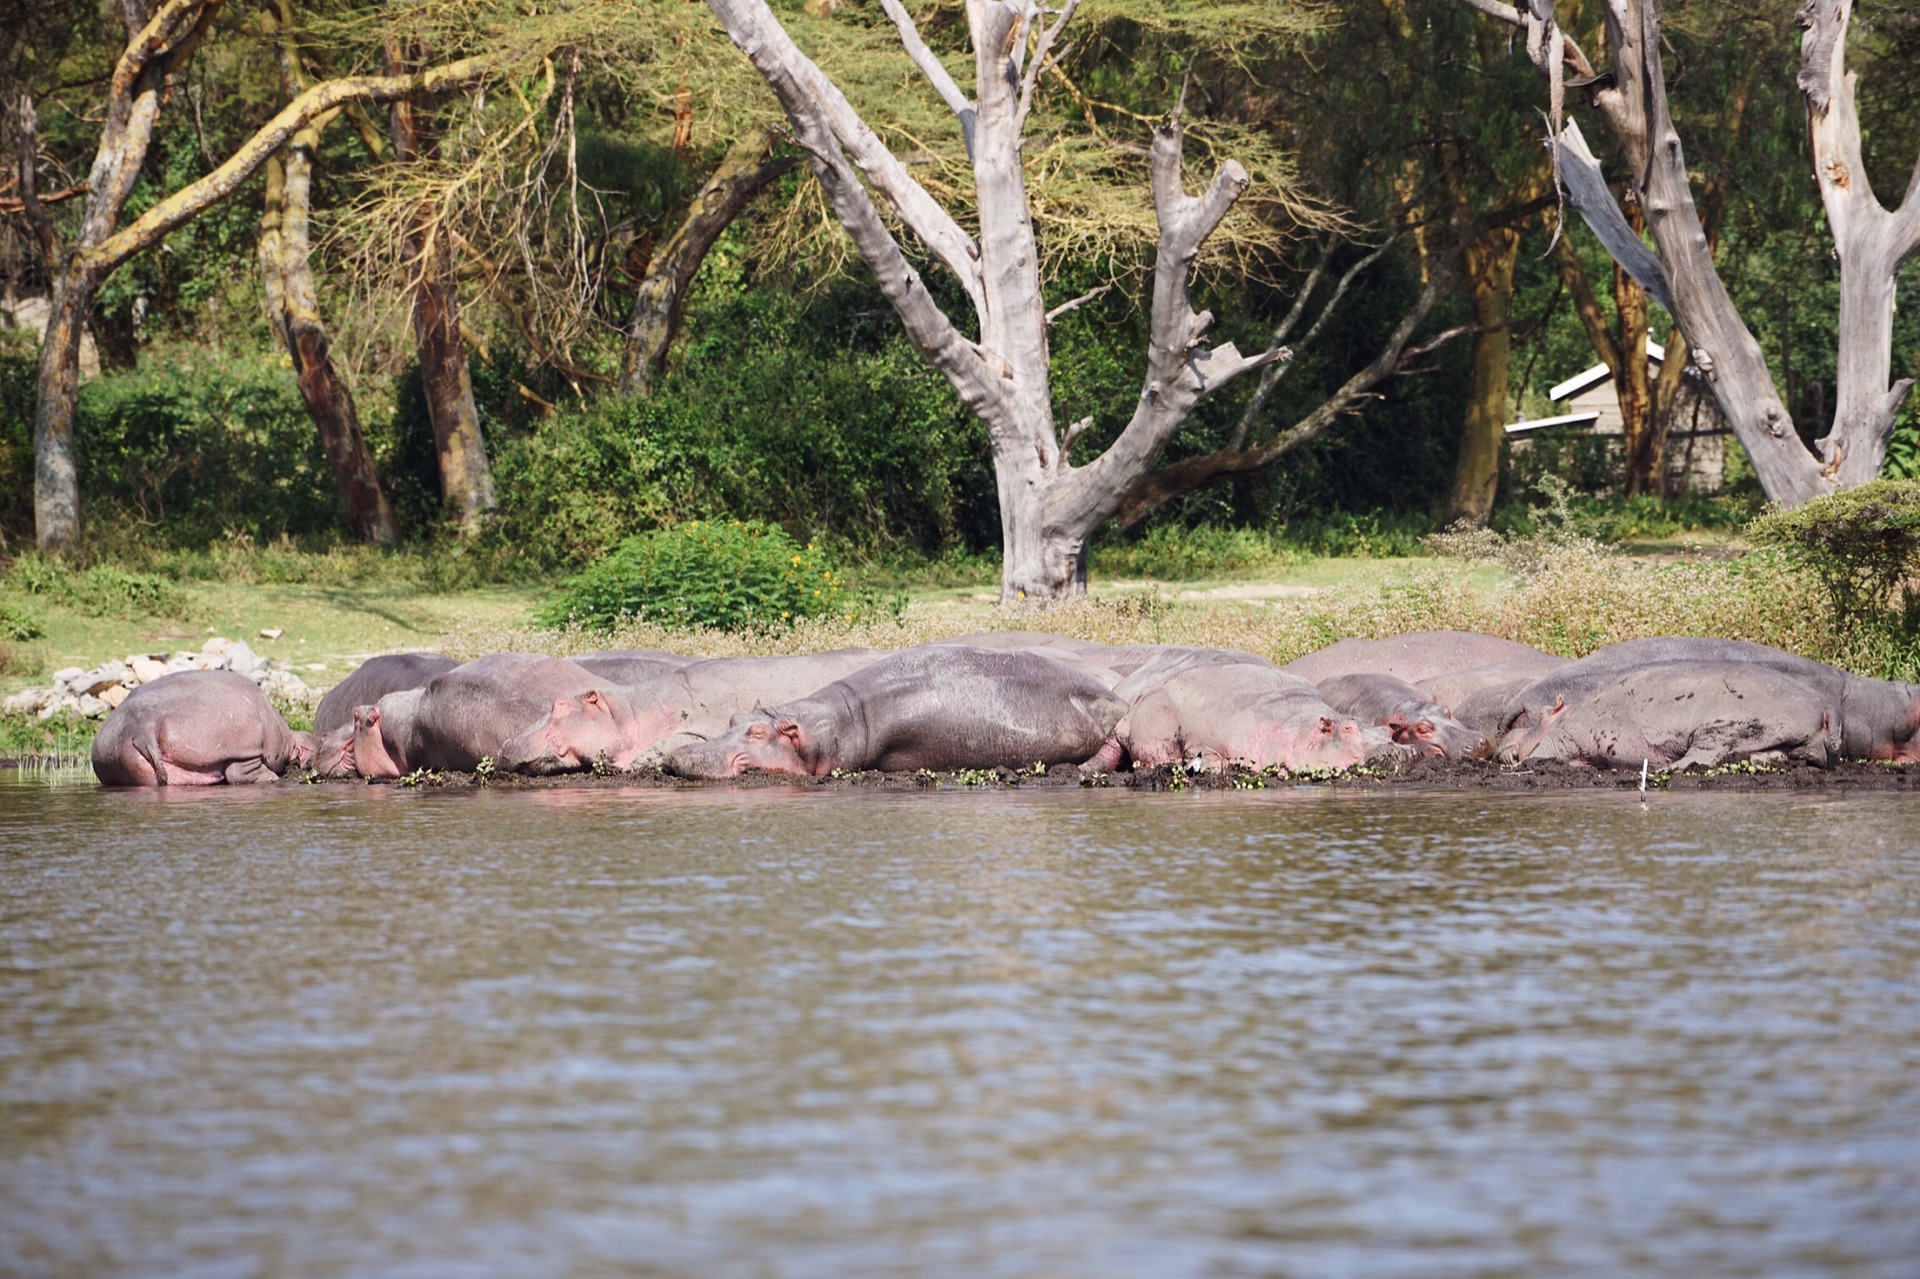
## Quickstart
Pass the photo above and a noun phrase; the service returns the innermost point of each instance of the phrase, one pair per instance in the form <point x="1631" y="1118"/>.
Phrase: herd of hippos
<point x="1018" y="699"/>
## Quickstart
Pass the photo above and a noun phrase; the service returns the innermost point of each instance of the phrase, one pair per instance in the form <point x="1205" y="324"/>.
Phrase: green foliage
<point x="1863" y="546"/>
<point x="19" y="372"/>
<point x="104" y="590"/>
<point x="724" y="574"/>
<point x="1171" y="552"/>
<point x="19" y="620"/>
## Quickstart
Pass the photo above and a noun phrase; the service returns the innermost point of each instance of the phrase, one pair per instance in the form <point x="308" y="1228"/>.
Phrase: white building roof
<point x="1517" y="428"/>
<point x="1599" y="373"/>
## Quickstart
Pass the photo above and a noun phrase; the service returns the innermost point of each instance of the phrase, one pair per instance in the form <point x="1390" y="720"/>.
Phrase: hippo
<point x="939" y="707"/>
<point x="1875" y="719"/>
<point x="197" y="728"/>
<point x="1221" y="712"/>
<point x="1675" y="715"/>
<point x="1146" y="667"/>
<point x="631" y="665"/>
<point x="1410" y="716"/>
<point x="1453" y="688"/>
<point x="464" y="715"/>
<point x="1415" y="656"/>
<point x="621" y="725"/>
<point x="373" y="680"/>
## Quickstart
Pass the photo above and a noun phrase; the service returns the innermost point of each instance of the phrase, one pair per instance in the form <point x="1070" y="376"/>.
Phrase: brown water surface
<point x="363" y="1031"/>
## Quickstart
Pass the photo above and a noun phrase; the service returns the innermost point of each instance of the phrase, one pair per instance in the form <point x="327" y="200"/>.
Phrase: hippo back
<point x="373" y="680"/>
<point x="1415" y="656"/>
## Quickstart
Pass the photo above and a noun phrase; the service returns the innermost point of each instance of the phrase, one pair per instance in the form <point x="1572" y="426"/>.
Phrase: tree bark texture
<point x="466" y="479"/>
<point x="1869" y="241"/>
<point x="743" y="174"/>
<point x="287" y="272"/>
<point x="158" y="46"/>
<point x="1490" y="259"/>
<point x="1048" y="506"/>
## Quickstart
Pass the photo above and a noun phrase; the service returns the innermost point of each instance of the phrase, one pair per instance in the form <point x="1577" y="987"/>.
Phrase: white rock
<point x="271" y="632"/>
<point x="108" y="675"/>
<point x="67" y="675"/>
<point x="240" y="657"/>
<point x="93" y="708"/>
<point x="114" y="694"/>
<point x="214" y="645"/>
<point x="63" y="702"/>
<point x="147" y="669"/>
<point x="26" y="703"/>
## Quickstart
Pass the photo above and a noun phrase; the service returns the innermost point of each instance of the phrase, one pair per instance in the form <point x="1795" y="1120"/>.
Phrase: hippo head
<point x="755" y="739"/>
<point x="1439" y="736"/>
<point x="579" y="732"/>
<point x="1325" y="742"/>
<point x="333" y="754"/>
<point x="370" y="755"/>
<point x="1525" y="733"/>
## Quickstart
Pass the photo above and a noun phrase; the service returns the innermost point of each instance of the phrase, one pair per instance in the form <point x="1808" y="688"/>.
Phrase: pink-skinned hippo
<point x="621" y="725"/>
<point x="1872" y="718"/>
<point x="1455" y="687"/>
<point x="463" y="716"/>
<point x="373" y="680"/>
<point x="1414" y="657"/>
<point x="1215" y="713"/>
<point x="1675" y="715"/>
<point x="1408" y="714"/>
<point x="939" y="707"/>
<point x="197" y="728"/>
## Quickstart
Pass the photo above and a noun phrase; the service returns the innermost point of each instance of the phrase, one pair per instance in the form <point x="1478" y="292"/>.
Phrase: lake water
<point x="326" y="1031"/>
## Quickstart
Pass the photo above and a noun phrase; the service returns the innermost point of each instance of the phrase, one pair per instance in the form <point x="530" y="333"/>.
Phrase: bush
<point x="1863" y="546"/>
<point x="723" y="574"/>
<point x="103" y="590"/>
<point x="19" y="621"/>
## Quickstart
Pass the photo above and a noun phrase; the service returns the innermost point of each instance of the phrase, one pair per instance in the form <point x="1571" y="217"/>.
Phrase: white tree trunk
<point x="1048" y="507"/>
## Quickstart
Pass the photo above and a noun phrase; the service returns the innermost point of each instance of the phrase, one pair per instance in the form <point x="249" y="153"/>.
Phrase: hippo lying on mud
<point x="373" y="680"/>
<point x="1867" y="718"/>
<point x="1408" y="714"/>
<point x="1216" y="708"/>
<point x="617" y="726"/>
<point x="940" y="707"/>
<point x="197" y="728"/>
<point x="459" y="718"/>
<point x="1676" y="715"/>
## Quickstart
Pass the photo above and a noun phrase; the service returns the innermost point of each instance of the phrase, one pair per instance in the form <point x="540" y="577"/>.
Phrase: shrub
<point x="19" y="621"/>
<point x="1863" y="546"/>
<point x="103" y="590"/>
<point x="723" y="574"/>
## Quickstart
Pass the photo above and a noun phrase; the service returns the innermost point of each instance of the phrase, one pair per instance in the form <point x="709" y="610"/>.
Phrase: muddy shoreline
<point x="1429" y="774"/>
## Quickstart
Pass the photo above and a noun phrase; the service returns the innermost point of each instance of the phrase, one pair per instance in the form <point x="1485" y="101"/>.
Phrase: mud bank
<point x="1425" y="774"/>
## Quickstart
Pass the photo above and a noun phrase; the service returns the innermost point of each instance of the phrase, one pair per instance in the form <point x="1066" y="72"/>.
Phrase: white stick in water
<point x="1643" y="781"/>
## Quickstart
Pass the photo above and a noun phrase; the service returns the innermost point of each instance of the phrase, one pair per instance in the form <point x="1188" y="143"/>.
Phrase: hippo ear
<point x="1326" y="726"/>
<point x="595" y="703"/>
<point x="788" y="730"/>
<point x="1400" y="730"/>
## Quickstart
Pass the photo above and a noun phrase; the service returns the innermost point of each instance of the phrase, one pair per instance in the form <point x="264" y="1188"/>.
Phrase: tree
<point x="159" y="46"/>
<point x="293" y="306"/>
<point x="1679" y="271"/>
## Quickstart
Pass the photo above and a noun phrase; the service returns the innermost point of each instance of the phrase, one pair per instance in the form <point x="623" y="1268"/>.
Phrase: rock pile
<point x="93" y="693"/>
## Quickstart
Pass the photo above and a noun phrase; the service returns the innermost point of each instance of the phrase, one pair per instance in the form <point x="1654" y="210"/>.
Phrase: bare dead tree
<point x="1869" y="240"/>
<point x="1048" y="506"/>
<point x="159" y="45"/>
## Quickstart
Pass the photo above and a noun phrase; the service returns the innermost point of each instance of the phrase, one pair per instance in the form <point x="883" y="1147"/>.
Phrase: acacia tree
<point x="293" y="304"/>
<point x="1049" y="507"/>
<point x="160" y="42"/>
<point x="1870" y="241"/>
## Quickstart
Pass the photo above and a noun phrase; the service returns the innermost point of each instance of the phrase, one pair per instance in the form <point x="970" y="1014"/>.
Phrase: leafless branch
<point x="1066" y="307"/>
<point x="923" y="57"/>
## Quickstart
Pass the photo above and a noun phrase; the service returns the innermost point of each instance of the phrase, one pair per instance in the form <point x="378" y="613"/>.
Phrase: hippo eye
<point x="758" y="733"/>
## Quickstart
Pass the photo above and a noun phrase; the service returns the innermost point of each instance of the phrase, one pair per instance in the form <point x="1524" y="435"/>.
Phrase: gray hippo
<point x="373" y="680"/>
<point x="197" y="728"/>
<point x="1408" y="714"/>
<point x="1874" y="719"/>
<point x="621" y="725"/>
<point x="1676" y="715"/>
<point x="939" y="707"/>
<point x="1205" y="707"/>
<point x="1415" y="656"/>
<point x="631" y="665"/>
<point x="463" y="716"/>
<point x="1454" y="687"/>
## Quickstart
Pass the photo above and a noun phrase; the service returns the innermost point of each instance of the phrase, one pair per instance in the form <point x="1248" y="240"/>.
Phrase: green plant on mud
<point x="1863" y="547"/>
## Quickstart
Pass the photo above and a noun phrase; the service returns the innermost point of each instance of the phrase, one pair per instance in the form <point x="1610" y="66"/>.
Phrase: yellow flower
<point x="796" y="559"/>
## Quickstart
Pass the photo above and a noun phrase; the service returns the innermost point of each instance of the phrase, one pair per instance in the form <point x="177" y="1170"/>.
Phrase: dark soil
<point x="1421" y="774"/>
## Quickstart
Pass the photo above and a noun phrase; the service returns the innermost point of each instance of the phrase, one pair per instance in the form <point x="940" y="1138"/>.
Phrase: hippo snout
<point x="706" y="761"/>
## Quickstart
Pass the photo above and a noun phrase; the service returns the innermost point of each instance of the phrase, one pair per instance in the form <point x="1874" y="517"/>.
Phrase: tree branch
<point x="804" y="91"/>
<point x="1066" y="308"/>
<point x="1039" y="61"/>
<point x="923" y="57"/>
<point x="188" y="202"/>
<point x="37" y="219"/>
<point x="1589" y="196"/>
